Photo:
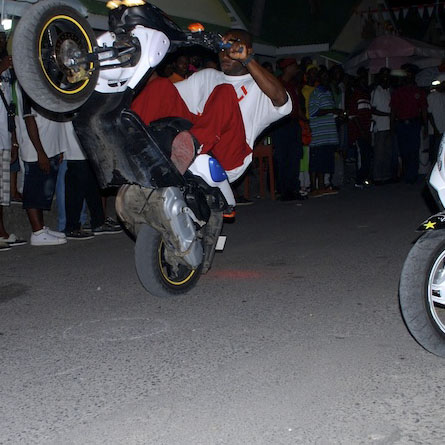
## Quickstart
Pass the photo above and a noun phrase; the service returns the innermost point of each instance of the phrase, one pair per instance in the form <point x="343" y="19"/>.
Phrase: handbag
<point x="10" y="109"/>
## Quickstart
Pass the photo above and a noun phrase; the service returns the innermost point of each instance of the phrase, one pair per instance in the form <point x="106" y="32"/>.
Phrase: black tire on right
<point x="148" y="259"/>
<point x="28" y="67"/>
<point x="413" y="290"/>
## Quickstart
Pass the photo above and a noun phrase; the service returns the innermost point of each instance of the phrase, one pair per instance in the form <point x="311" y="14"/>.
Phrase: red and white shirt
<point x="257" y="109"/>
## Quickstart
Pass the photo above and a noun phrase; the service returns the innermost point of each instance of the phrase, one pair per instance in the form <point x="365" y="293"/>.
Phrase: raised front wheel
<point x="47" y="39"/>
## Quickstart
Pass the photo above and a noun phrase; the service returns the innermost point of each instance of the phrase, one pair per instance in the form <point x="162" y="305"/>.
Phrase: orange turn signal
<point x="195" y="27"/>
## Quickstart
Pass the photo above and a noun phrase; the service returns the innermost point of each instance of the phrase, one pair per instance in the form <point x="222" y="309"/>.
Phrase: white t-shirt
<point x="380" y="99"/>
<point x="5" y="85"/>
<point x="50" y="132"/>
<point x="257" y="109"/>
<point x="436" y="106"/>
<point x="73" y="149"/>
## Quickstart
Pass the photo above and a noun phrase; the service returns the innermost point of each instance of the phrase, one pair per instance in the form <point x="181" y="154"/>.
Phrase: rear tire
<point x="418" y="292"/>
<point x="46" y="31"/>
<point x="154" y="272"/>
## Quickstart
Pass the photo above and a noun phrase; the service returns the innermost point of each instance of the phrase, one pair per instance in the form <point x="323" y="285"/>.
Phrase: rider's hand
<point x="44" y="163"/>
<point x="238" y="50"/>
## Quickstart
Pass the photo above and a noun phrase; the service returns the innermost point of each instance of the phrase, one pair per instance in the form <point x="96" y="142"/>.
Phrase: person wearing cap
<point x="381" y="112"/>
<point x="287" y="137"/>
<point x="408" y="115"/>
<point x="228" y="110"/>
<point x="436" y="115"/>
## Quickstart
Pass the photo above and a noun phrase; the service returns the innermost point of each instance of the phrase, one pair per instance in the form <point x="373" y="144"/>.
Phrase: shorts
<point x="322" y="159"/>
<point x="39" y="187"/>
<point x="5" y="183"/>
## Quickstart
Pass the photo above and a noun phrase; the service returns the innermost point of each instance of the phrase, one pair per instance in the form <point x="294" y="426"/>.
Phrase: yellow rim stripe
<point x="174" y="283"/>
<point x="90" y="49"/>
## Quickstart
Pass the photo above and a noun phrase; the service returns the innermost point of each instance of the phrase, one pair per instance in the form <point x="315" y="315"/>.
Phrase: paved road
<point x="294" y="337"/>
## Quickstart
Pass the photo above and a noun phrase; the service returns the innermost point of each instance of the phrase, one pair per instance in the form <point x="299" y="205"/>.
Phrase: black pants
<point x="364" y="171"/>
<point x="80" y="184"/>
<point x="288" y="151"/>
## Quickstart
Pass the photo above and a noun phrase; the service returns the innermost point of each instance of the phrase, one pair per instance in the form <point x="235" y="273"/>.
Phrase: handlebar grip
<point x="228" y="45"/>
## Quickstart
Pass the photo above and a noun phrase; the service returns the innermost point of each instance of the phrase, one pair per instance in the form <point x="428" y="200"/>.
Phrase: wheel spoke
<point x="438" y="289"/>
<point x="52" y="35"/>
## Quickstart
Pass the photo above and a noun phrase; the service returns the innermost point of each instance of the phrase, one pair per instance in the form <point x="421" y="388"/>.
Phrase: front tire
<point x="422" y="292"/>
<point x="47" y="34"/>
<point x="154" y="271"/>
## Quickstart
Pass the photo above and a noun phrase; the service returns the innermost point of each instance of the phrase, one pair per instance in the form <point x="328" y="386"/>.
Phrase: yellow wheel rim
<point x="90" y="49"/>
<point x="166" y="278"/>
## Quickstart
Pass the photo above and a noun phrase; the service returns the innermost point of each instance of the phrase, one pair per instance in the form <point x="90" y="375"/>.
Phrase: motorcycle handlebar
<point x="210" y="40"/>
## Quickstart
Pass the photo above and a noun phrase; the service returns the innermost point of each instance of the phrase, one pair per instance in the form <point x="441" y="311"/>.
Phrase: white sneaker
<point x="4" y="246"/>
<point x="44" y="238"/>
<point x="54" y="233"/>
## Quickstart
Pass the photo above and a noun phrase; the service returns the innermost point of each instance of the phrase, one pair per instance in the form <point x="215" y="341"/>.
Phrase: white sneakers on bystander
<point x="47" y="237"/>
<point x="4" y="246"/>
<point x="54" y="232"/>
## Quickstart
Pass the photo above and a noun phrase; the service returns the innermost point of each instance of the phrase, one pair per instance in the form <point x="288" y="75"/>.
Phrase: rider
<point x="228" y="109"/>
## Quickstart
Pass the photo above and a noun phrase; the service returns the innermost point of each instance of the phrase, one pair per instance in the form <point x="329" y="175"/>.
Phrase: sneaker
<point x="54" y="233"/>
<point x="79" y="235"/>
<point x="12" y="240"/>
<point x="112" y="222"/>
<point x="316" y="193"/>
<point x="106" y="229"/>
<point x="329" y="191"/>
<point x="44" y="238"/>
<point x="4" y="246"/>
<point x="241" y="201"/>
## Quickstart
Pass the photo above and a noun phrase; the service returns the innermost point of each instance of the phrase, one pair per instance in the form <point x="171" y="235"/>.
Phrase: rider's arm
<point x="266" y="81"/>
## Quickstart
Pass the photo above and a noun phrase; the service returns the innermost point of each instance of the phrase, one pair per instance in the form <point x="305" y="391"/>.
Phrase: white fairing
<point x="200" y="167"/>
<point x="154" y="47"/>
<point x="437" y="178"/>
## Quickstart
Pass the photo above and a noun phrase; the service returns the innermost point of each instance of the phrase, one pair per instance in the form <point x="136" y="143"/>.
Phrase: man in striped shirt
<point x="322" y="114"/>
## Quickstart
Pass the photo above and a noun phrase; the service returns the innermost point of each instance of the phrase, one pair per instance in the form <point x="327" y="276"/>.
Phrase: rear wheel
<point x="422" y="291"/>
<point x="47" y="37"/>
<point x="158" y="271"/>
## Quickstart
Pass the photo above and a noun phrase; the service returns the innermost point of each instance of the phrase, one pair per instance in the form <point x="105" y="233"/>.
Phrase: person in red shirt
<point x="408" y="114"/>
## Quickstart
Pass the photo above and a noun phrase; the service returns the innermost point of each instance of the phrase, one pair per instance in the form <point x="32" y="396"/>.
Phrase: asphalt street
<point x="293" y="337"/>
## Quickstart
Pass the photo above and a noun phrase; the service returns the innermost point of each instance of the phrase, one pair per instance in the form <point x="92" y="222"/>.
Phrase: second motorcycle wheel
<point x="46" y="38"/>
<point x="422" y="292"/>
<point x="156" y="274"/>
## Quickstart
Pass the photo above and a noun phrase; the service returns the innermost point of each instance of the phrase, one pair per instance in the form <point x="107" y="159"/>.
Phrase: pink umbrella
<point x="392" y="52"/>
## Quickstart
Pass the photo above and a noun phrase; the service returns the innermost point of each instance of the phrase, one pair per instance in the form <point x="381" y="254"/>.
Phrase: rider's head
<point x="228" y="65"/>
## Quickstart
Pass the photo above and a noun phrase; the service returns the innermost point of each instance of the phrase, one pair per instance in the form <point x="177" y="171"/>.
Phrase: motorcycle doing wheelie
<point x="176" y="219"/>
<point x="422" y="282"/>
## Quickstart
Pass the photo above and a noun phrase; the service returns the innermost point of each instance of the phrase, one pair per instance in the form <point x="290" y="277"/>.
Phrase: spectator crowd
<point x="362" y="129"/>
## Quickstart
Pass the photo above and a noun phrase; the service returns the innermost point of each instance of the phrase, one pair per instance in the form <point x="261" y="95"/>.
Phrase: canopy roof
<point x="392" y="52"/>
